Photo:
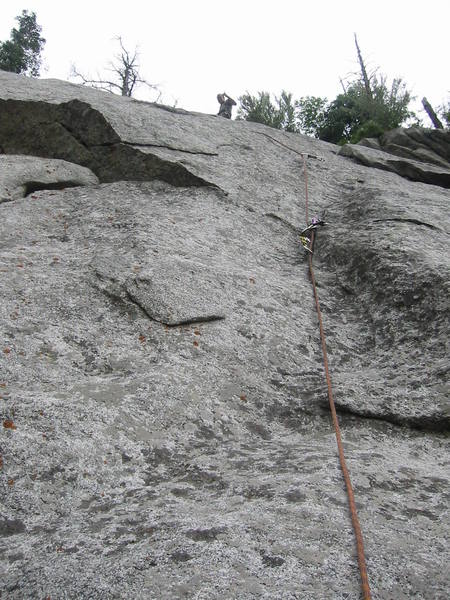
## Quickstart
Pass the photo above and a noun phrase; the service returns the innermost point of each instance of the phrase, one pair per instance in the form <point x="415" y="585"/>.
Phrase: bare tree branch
<point x="126" y="76"/>
<point x="364" y="75"/>
<point x="432" y="114"/>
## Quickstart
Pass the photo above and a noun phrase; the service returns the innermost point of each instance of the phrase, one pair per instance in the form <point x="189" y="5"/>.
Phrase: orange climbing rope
<point x="351" y="498"/>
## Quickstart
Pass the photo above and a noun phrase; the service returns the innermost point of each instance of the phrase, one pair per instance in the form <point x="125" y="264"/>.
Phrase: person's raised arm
<point x="231" y="99"/>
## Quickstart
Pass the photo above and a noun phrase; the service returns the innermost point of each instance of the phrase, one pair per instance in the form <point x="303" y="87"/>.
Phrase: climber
<point x="226" y="105"/>
<point x="306" y="238"/>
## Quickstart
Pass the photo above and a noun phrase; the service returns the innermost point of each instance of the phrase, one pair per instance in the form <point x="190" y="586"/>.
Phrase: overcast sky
<point x="196" y="48"/>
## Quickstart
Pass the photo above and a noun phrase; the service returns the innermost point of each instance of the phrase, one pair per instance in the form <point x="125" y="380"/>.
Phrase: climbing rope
<point x="351" y="498"/>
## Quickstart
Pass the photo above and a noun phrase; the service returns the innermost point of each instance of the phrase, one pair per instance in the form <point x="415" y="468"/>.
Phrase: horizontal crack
<point x="422" y="423"/>
<point x="36" y="186"/>
<point x="76" y="132"/>
<point x="278" y="218"/>
<point x="414" y="221"/>
<point x="192" y="321"/>
<point x="306" y="154"/>
<point x="141" y="145"/>
<point x="178" y="323"/>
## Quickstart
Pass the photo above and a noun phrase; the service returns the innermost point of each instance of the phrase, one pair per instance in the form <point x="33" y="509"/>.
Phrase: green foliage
<point x="390" y="105"/>
<point x="367" y="108"/>
<point x="444" y="112"/>
<point x="338" y="116"/>
<point x="261" y="109"/>
<point x="285" y="113"/>
<point x="348" y="118"/>
<point x="258" y="109"/>
<point x="369" y="129"/>
<point x="22" y="52"/>
<point x="354" y="115"/>
<point x="311" y="114"/>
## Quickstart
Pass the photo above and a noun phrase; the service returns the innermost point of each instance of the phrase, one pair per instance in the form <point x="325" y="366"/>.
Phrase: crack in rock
<point x="305" y="154"/>
<point x="166" y="147"/>
<point x="76" y="132"/>
<point x="414" y="221"/>
<point x="409" y="169"/>
<point x="36" y="186"/>
<point x="436" y="423"/>
<point x="23" y="175"/>
<point x="173" y="292"/>
<point x="175" y="298"/>
<point x="283" y="220"/>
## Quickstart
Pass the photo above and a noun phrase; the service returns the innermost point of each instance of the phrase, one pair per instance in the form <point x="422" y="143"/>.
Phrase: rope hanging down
<point x="351" y="498"/>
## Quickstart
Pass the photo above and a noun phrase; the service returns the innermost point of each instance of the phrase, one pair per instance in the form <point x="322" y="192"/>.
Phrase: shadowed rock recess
<point x="77" y="133"/>
<point x="165" y="431"/>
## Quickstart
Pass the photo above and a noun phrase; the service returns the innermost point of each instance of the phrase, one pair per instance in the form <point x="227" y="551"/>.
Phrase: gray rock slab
<point x="418" y="154"/>
<point x="128" y="118"/>
<point x="177" y="292"/>
<point x="22" y="175"/>
<point x="171" y="291"/>
<point x="430" y="145"/>
<point x="417" y="144"/>
<point x="409" y="166"/>
<point x="370" y="143"/>
<point x="77" y="132"/>
<point x="142" y="458"/>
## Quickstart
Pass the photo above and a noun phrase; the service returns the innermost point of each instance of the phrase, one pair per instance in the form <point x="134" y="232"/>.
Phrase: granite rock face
<point x="22" y="175"/>
<point x="419" y="143"/>
<point x="165" y="430"/>
<point x="427" y="154"/>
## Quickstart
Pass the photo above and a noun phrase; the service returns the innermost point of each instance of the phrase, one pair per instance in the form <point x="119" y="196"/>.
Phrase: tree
<point x="286" y="116"/>
<point x="311" y="114"/>
<point x="22" y="52"/>
<point x="362" y="65"/>
<point x="261" y="109"/>
<point x="338" y="119"/>
<point x="367" y="108"/>
<point x="444" y="111"/>
<point x="257" y="109"/>
<point x="351" y="116"/>
<point x="354" y="115"/>
<point x="126" y="76"/>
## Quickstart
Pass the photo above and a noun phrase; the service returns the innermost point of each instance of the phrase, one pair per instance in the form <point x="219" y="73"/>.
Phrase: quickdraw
<point x="306" y="236"/>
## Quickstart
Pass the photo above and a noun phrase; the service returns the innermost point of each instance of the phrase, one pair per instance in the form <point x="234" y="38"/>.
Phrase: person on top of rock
<point x="226" y="105"/>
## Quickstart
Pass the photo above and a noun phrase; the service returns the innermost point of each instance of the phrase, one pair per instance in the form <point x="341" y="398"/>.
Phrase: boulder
<point x="370" y="143"/>
<point x="165" y="427"/>
<point x="428" y="145"/>
<point x="23" y="175"/>
<point x="416" y="143"/>
<point x="409" y="167"/>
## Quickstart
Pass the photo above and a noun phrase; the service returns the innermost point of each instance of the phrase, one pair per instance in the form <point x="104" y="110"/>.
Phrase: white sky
<point x="197" y="48"/>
